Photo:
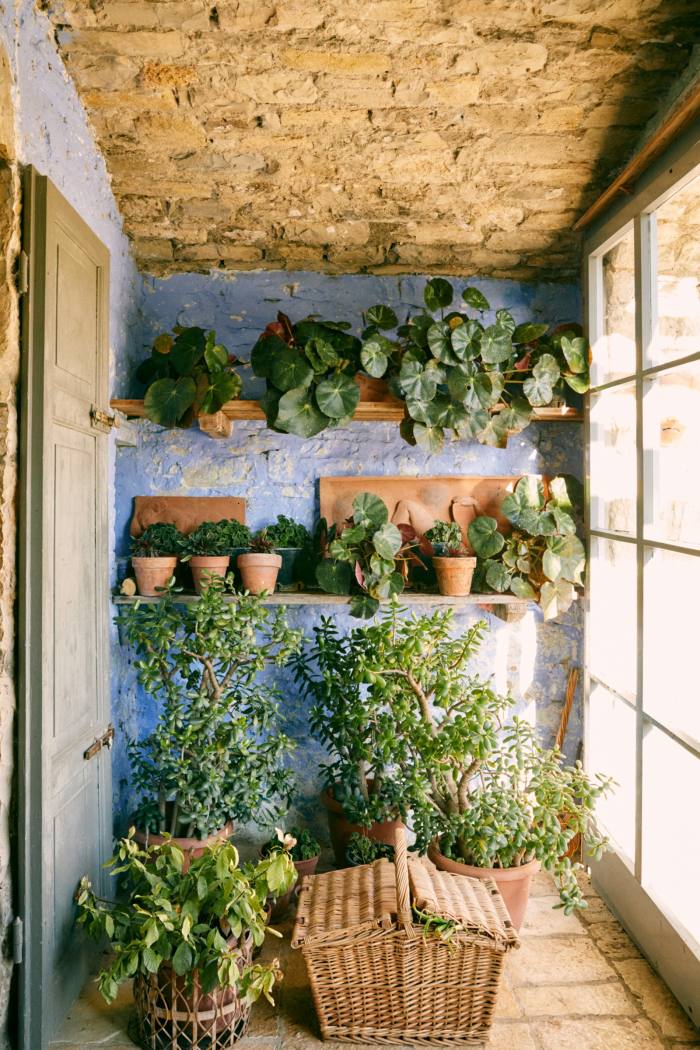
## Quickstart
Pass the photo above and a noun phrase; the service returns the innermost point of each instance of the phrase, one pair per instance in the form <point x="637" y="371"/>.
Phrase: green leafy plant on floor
<point x="453" y="370"/>
<point x="196" y="921"/>
<point x="300" y="843"/>
<point x="369" y="558"/>
<point x="482" y="787"/>
<point x="157" y="541"/>
<point x="286" y="532"/>
<point x="542" y="558"/>
<point x="217" y="752"/>
<point x="361" y="849"/>
<point x="216" y="538"/>
<point x="309" y="367"/>
<point x="187" y="374"/>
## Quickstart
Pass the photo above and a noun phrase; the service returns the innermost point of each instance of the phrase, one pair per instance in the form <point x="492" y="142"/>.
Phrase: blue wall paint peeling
<point x="279" y="473"/>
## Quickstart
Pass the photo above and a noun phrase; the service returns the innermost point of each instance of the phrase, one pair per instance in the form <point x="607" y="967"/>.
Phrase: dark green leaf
<point x="496" y="345"/>
<point x="369" y="510"/>
<point x="504" y="319"/>
<point x="576" y="353"/>
<point x="516" y="416"/>
<point x="167" y="400"/>
<point x="363" y="607"/>
<point x="338" y="396"/>
<point x="417" y="382"/>
<point x="382" y="316"/>
<point x="334" y="577"/>
<point x="438" y="294"/>
<point x="263" y="354"/>
<point x="223" y="387"/>
<point x="216" y="357"/>
<point x="484" y="536"/>
<point x="297" y="414"/>
<point x="440" y="343"/>
<point x="182" y="959"/>
<point x="430" y="438"/>
<point x="494" y="433"/>
<point x="528" y="332"/>
<point x="578" y="383"/>
<point x="474" y="298"/>
<point x="289" y="370"/>
<point x="466" y="339"/>
<point x="188" y="350"/>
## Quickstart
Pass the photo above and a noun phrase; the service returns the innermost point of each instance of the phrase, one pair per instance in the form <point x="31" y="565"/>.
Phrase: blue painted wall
<point x="278" y="474"/>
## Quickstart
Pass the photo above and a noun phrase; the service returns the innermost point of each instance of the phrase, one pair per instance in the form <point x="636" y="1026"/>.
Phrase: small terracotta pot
<point x="454" y="575"/>
<point x="192" y="848"/>
<point x="153" y="574"/>
<point x="341" y="829"/>
<point x="513" y="883"/>
<point x="281" y="904"/>
<point x="259" y="571"/>
<point x="205" y="566"/>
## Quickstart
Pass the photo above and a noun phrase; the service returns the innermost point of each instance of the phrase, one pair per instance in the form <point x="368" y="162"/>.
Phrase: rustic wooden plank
<point x="307" y="598"/>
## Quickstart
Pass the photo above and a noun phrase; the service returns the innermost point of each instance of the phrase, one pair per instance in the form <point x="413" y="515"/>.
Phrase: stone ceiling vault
<point x="456" y="136"/>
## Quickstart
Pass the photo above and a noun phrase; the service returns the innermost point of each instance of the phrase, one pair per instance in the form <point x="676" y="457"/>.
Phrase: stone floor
<point x="577" y="983"/>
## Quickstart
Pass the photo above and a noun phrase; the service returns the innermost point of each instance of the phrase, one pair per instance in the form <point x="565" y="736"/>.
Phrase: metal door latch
<point x="102" y="741"/>
<point x="102" y="420"/>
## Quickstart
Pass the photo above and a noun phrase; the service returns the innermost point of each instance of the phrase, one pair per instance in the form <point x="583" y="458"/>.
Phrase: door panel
<point x="64" y="587"/>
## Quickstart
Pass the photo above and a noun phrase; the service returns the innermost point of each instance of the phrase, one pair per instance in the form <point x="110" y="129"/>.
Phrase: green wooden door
<point x="66" y="789"/>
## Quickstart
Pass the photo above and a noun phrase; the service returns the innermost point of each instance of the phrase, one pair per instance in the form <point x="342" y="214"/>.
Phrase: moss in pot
<point x="154" y="557"/>
<point x="259" y="565"/>
<point x="289" y="538"/>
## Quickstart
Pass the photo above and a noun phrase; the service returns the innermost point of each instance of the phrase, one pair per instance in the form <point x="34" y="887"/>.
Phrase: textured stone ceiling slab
<point x="462" y="136"/>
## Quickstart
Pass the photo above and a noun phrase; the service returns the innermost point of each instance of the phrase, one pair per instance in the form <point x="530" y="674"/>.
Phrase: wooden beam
<point x="216" y="425"/>
<point x="686" y="109"/>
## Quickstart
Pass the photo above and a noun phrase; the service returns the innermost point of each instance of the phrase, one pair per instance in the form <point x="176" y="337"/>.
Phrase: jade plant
<point x="455" y="372"/>
<point x="288" y="533"/>
<point x="217" y="752"/>
<point x="482" y="785"/>
<point x="309" y="367"/>
<point x="157" y="541"/>
<point x="542" y="558"/>
<point x="216" y="538"/>
<point x="188" y="374"/>
<point x="202" y="920"/>
<point x="370" y="557"/>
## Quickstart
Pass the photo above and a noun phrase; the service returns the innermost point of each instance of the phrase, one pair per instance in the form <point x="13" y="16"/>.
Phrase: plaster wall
<point x="278" y="473"/>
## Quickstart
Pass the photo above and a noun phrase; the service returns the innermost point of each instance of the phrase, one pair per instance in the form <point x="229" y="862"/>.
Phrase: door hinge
<point x="17" y="941"/>
<point x="23" y="273"/>
<point x="102" y="741"/>
<point x="102" y="420"/>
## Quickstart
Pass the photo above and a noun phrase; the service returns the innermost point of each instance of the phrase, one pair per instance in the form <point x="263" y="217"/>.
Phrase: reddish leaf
<point x="359" y="575"/>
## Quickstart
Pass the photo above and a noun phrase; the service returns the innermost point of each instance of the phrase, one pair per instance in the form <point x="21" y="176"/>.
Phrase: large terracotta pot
<point x="454" y="575"/>
<point x="192" y="848"/>
<point x="153" y="574"/>
<point x="204" y="567"/>
<point x="513" y="883"/>
<point x="259" y="571"/>
<point x="341" y="829"/>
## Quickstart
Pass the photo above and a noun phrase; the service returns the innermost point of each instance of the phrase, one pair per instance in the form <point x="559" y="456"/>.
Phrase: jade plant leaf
<point x="382" y="316"/>
<point x="474" y="298"/>
<point x="484" y="536"/>
<point x="297" y="414"/>
<point x="338" y="396"/>
<point x="289" y="370"/>
<point x="375" y="355"/>
<point x="369" y="510"/>
<point x="496" y="345"/>
<point x="437" y="294"/>
<point x="167" y="400"/>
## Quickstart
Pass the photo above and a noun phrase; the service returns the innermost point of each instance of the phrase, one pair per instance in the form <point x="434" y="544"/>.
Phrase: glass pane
<point x="671" y="452"/>
<point x="612" y="615"/>
<point x="611" y="750"/>
<point x="671" y="588"/>
<point x="613" y="459"/>
<point x="671" y="846"/>
<point x="614" y="353"/>
<point x="677" y="328"/>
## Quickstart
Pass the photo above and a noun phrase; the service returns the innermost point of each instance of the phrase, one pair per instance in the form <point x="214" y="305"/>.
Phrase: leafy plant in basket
<point x="186" y="936"/>
<point x="188" y="374"/>
<point x="454" y="371"/>
<point x="217" y="752"/>
<point x="483" y="786"/>
<point x="370" y="557"/>
<point x="542" y="558"/>
<point x="309" y="367"/>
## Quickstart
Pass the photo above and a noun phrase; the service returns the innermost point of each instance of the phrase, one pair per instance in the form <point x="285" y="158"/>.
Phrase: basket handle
<point x="403" y="891"/>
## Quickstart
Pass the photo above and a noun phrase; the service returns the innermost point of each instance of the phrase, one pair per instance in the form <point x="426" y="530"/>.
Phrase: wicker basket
<point x="377" y="977"/>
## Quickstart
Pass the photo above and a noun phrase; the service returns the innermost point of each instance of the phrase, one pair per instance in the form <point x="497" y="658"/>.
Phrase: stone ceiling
<point x="456" y="136"/>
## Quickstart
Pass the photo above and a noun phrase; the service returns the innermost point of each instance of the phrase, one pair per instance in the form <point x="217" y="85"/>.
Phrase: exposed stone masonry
<point x="454" y="136"/>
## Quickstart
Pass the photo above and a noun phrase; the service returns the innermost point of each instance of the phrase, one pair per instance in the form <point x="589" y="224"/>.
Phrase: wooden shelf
<point x="219" y="424"/>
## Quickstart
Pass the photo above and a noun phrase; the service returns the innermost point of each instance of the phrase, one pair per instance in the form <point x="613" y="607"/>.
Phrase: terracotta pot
<point x="153" y="574"/>
<point x="259" y="571"/>
<point x="192" y="848"/>
<point x="513" y="883"/>
<point x="341" y="829"/>
<point x="454" y="575"/>
<point x="205" y="566"/>
<point x="281" y="904"/>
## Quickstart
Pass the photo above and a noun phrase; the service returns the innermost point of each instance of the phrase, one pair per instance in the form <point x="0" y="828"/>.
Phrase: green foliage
<point x="187" y="374"/>
<point x="310" y="371"/>
<point x="542" y="558"/>
<point x="448" y="534"/>
<point x="288" y="533"/>
<point x="157" y="541"/>
<point x="217" y="752"/>
<point x="361" y="849"/>
<point x="304" y="847"/>
<point x="216" y="538"/>
<point x="197" y="921"/>
<point x="261" y="542"/>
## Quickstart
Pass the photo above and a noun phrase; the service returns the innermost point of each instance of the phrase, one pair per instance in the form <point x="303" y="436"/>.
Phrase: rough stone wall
<point x="456" y="136"/>
<point x="278" y="473"/>
<point x="9" y="371"/>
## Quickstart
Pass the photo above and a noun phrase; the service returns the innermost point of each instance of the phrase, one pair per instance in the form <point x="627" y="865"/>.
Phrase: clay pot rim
<point x="151" y="838"/>
<point x="203" y="559"/>
<point x="260" y="558"/>
<point x="151" y="559"/>
<point x="467" y="560"/>
<point x="497" y="874"/>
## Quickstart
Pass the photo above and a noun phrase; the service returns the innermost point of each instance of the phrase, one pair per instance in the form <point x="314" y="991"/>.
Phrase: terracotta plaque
<point x="186" y="512"/>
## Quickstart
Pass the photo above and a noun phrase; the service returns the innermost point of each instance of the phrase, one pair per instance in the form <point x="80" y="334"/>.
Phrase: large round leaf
<point x="369" y="510"/>
<point x="497" y="577"/>
<point x="484" y="536"/>
<point x="516" y="416"/>
<point x="375" y="355"/>
<point x="496" y="345"/>
<point x="167" y="400"/>
<point x="494" y="433"/>
<point x="564" y="559"/>
<point x="382" y="316"/>
<point x="523" y="506"/>
<point x="504" y="319"/>
<point x="576" y="353"/>
<point x="522" y="588"/>
<point x="263" y="354"/>
<point x="538" y="389"/>
<point x="289" y="370"/>
<point x="157" y="366"/>
<point x="297" y="414"/>
<point x="578" y="383"/>
<point x="387" y="586"/>
<point x="334" y="577"/>
<point x="188" y="350"/>
<point x="484" y="390"/>
<point x="338" y="396"/>
<point x="466" y="339"/>
<point x="474" y="298"/>
<point x="387" y="541"/>
<point x="222" y="387"/>
<point x="438" y="294"/>
<point x="216" y="357"/>
<point x="363" y="607"/>
<point x="440" y="343"/>
<point x="567" y="492"/>
<point x="417" y="382"/>
<point x="528" y="332"/>
<point x="555" y="598"/>
<point x="430" y="438"/>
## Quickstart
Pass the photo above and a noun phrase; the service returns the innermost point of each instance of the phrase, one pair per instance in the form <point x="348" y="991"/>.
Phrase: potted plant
<point x="208" y="550"/>
<point x="188" y="374"/>
<point x="542" y="558"/>
<point x="369" y="557"/>
<point x="486" y="796"/>
<point x="305" y="852"/>
<point x="288" y="539"/>
<point x="259" y="565"/>
<point x="453" y="564"/>
<point x="369" y="770"/>
<point x="363" y="850"/>
<point x="217" y="753"/>
<point x="154" y="557"/>
<point x="186" y="936"/>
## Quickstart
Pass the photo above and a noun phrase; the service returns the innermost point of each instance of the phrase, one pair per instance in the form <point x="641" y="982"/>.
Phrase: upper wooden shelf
<point x="219" y="424"/>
